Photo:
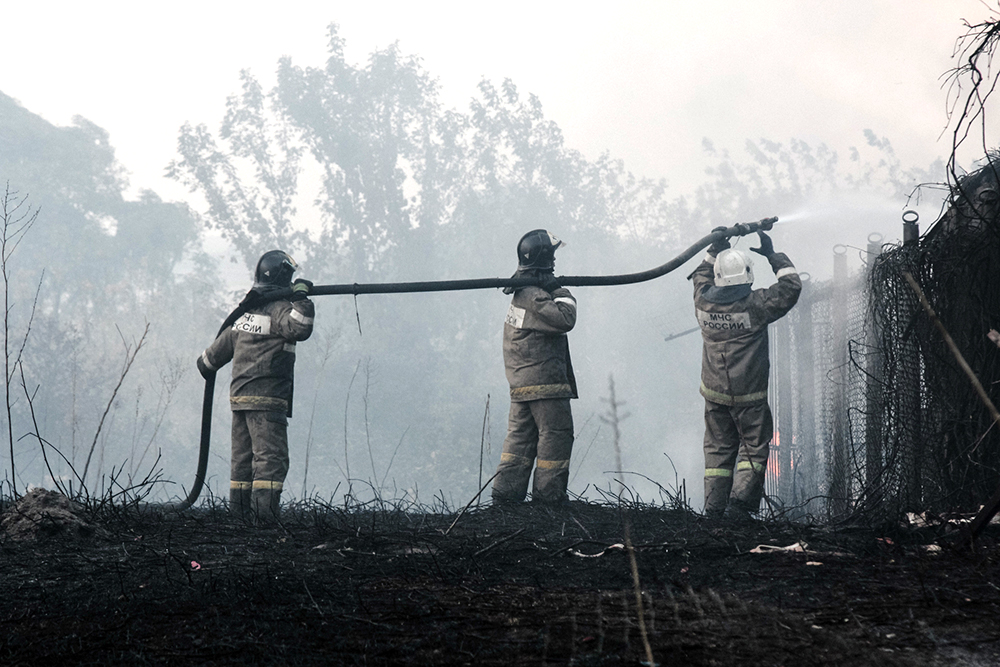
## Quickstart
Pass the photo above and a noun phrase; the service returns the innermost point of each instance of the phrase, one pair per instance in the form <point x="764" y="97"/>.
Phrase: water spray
<point x="812" y="213"/>
<point x="739" y="229"/>
<point x="795" y="217"/>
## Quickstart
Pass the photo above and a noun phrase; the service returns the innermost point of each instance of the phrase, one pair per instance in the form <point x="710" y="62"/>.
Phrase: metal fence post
<point x="783" y="405"/>
<point x="874" y="408"/>
<point x="805" y="478"/>
<point x="839" y="473"/>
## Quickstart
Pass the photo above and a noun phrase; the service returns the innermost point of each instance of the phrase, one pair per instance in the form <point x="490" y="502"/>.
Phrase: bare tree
<point x="131" y="351"/>
<point x="328" y="339"/>
<point x="16" y="218"/>
<point x="970" y="84"/>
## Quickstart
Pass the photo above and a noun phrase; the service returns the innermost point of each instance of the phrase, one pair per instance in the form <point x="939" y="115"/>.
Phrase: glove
<point x="721" y="244"/>
<point x="204" y="370"/>
<point x="301" y="288"/>
<point x="549" y="283"/>
<point x="766" y="245"/>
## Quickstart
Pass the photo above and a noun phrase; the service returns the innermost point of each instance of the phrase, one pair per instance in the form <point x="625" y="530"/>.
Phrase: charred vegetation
<point x="393" y="583"/>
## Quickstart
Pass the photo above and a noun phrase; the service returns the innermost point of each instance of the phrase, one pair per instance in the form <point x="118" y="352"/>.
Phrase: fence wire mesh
<point x="873" y="415"/>
<point x="817" y="399"/>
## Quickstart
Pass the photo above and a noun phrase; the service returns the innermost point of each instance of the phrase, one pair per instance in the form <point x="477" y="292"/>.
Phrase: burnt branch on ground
<point x="528" y="584"/>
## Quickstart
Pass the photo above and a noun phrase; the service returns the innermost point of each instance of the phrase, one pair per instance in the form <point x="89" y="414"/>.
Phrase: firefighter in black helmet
<point x="540" y="374"/>
<point x="261" y="345"/>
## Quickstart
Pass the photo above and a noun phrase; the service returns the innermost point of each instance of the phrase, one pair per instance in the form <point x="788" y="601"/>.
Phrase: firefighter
<point x="734" y="370"/>
<point x="261" y="345"/>
<point x="540" y="374"/>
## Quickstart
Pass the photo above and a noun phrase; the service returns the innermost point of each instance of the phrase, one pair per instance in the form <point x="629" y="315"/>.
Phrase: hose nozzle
<point x="744" y="228"/>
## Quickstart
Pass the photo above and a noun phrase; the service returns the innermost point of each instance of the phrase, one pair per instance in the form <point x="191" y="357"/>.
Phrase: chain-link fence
<point x="873" y="415"/>
<point x="941" y="448"/>
<point x="818" y="396"/>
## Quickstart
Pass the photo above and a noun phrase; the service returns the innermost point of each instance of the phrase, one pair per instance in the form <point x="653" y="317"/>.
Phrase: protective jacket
<point x="535" y="347"/>
<point x="735" y="363"/>
<point x="261" y="345"/>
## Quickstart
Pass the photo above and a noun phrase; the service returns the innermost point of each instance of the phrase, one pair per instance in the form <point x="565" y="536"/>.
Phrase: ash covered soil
<point x="526" y="584"/>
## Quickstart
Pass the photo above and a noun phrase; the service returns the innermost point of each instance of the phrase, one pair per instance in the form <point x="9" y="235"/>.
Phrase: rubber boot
<point x="717" y="488"/>
<point x="748" y="485"/>
<point x="239" y="502"/>
<point x="511" y="482"/>
<point x="266" y="504"/>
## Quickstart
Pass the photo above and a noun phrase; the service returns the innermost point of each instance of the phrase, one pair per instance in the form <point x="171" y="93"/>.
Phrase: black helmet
<point x="275" y="267"/>
<point x="537" y="250"/>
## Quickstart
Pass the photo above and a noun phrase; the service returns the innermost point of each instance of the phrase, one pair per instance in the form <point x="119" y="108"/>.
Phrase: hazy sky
<point x="645" y="80"/>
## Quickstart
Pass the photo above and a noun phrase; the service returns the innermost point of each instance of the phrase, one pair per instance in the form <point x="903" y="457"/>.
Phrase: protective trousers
<point x="542" y="429"/>
<point x="737" y="443"/>
<point x="259" y="463"/>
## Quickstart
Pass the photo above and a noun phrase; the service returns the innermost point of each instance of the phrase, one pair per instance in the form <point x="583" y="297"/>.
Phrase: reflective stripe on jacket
<point x="535" y="346"/>
<point x="261" y="345"/>
<point x="735" y="362"/>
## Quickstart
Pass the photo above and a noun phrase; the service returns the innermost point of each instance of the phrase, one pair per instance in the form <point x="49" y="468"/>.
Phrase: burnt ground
<point x="528" y="584"/>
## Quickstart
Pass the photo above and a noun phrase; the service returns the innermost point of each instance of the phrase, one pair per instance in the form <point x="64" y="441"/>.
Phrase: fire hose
<point x="740" y="229"/>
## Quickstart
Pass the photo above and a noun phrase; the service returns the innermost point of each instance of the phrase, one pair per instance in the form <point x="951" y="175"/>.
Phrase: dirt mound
<point x="47" y="514"/>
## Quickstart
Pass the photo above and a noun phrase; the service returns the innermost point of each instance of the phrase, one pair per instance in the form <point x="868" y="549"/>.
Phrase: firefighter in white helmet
<point x="734" y="370"/>
<point x="540" y="374"/>
<point x="261" y="345"/>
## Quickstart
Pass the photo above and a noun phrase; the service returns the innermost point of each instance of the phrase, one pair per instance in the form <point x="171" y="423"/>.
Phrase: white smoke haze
<point x="646" y="81"/>
<point x="391" y="391"/>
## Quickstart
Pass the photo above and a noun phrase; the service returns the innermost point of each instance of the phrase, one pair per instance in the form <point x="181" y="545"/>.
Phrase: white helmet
<point x="733" y="267"/>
